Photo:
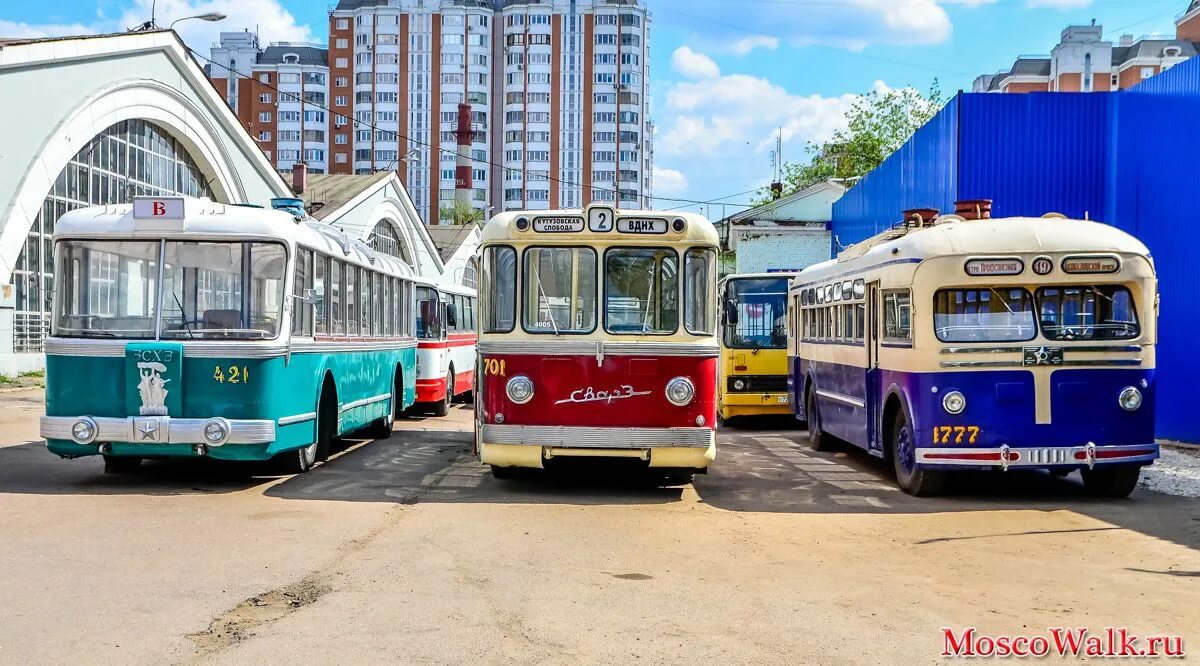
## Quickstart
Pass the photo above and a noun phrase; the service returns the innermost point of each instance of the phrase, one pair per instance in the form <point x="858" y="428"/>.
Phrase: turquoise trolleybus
<point x="187" y="328"/>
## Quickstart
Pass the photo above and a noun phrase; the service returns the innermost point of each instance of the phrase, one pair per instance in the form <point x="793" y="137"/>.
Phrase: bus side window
<point x="897" y="314"/>
<point x="337" y="323"/>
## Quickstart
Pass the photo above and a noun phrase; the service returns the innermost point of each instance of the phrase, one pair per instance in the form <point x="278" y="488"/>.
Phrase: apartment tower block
<point x="557" y="92"/>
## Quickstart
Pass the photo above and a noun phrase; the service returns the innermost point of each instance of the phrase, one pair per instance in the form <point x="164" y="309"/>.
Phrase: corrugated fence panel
<point x="923" y="173"/>
<point x="1034" y="153"/>
<point x="1155" y="188"/>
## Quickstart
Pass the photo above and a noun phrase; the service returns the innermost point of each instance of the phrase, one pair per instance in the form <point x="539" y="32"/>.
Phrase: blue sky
<point x="725" y="73"/>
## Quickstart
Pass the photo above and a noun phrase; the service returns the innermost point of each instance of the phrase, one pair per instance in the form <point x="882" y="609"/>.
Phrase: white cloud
<point x="274" y="23"/>
<point x="669" y="182"/>
<point x="1058" y="4"/>
<point x="745" y="46"/>
<point x="737" y="114"/>
<point x="694" y="65"/>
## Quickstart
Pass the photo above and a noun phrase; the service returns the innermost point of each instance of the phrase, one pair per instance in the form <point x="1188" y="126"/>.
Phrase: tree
<point x="876" y="126"/>
<point x="460" y="213"/>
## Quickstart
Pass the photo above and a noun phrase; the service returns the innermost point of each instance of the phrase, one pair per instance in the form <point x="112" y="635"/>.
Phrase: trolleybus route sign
<point x="641" y="225"/>
<point x="995" y="266"/>
<point x="1083" y="265"/>
<point x="557" y="225"/>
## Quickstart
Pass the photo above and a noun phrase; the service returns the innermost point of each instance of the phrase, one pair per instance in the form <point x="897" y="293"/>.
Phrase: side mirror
<point x="308" y="296"/>
<point x="731" y="312"/>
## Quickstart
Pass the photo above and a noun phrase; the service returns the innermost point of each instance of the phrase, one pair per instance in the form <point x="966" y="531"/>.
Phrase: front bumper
<point x="531" y="446"/>
<point x="157" y="430"/>
<point x="1007" y="457"/>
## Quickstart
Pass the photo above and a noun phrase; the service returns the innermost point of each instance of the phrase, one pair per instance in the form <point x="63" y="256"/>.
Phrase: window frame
<point x="487" y="298"/>
<point x="1037" y="312"/>
<point x="522" y="304"/>
<point x="883" y="297"/>
<point x="678" y="289"/>
<point x="1033" y="310"/>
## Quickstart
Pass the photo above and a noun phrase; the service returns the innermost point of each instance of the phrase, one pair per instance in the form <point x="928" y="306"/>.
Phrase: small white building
<point x="788" y="234"/>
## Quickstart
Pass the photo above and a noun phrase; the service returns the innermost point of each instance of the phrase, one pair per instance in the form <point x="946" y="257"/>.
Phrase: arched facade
<point x="387" y="239"/>
<point x="128" y="159"/>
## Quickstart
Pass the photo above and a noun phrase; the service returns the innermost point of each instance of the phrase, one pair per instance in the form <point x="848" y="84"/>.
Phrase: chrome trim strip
<point x="298" y="418"/>
<point x="598" y="438"/>
<point x="364" y="402"/>
<point x="1037" y="456"/>
<point x="589" y="348"/>
<point x="1091" y="349"/>
<point x="840" y="397"/>
<point x="1115" y="362"/>
<point x="179" y="431"/>
<point x="248" y="349"/>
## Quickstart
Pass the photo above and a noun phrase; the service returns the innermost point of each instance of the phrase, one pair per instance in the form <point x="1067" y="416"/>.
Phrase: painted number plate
<point x="783" y="399"/>
<point x="956" y="435"/>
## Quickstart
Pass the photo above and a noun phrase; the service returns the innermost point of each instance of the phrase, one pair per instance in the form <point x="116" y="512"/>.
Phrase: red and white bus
<point x="445" y="346"/>
<point x="598" y="339"/>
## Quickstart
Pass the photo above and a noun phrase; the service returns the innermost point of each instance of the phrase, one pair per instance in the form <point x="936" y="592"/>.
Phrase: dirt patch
<point x="240" y="623"/>
<point x="26" y="380"/>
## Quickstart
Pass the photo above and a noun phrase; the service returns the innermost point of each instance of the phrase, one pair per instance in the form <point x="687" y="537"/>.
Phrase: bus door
<point x="874" y="380"/>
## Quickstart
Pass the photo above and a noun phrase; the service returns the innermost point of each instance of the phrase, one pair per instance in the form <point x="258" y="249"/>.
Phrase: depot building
<point x="102" y="119"/>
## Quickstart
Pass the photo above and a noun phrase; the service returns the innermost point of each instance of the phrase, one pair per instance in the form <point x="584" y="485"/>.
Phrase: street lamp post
<point x="211" y="17"/>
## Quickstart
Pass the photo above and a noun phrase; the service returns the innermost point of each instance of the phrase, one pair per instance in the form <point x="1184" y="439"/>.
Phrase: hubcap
<point x="904" y="450"/>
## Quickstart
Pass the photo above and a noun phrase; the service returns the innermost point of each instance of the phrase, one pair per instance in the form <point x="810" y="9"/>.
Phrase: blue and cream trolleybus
<point x="187" y="328"/>
<point x="954" y="342"/>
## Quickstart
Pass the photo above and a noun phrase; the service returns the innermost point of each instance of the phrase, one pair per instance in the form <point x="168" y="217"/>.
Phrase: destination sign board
<point x="558" y="225"/>
<point x="158" y="208"/>
<point x="1085" y="265"/>
<point x="995" y="266"/>
<point x="642" y="225"/>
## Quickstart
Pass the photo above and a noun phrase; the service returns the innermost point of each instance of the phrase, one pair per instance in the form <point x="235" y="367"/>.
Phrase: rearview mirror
<point x="731" y="312"/>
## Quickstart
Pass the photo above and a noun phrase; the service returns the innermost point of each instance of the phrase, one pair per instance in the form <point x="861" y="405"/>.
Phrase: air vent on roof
<point x="973" y="209"/>
<point x="920" y="217"/>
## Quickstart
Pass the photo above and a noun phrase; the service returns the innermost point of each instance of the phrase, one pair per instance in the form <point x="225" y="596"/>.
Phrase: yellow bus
<point x="754" y="363"/>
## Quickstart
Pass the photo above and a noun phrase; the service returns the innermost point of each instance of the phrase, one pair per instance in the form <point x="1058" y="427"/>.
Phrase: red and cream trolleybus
<point x="598" y="339"/>
<point x="446" y="346"/>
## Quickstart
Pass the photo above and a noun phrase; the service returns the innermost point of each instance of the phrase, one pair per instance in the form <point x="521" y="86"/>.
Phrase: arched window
<point x="129" y="159"/>
<point x="1086" y="83"/>
<point x="385" y="239"/>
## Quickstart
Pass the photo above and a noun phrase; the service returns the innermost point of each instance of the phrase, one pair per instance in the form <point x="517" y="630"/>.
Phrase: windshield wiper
<point x="182" y="315"/>
<point x="537" y="274"/>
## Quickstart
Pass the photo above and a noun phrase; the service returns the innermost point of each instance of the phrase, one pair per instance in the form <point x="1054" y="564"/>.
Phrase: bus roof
<point x="953" y="236"/>
<point x="208" y="220"/>
<point x="502" y="228"/>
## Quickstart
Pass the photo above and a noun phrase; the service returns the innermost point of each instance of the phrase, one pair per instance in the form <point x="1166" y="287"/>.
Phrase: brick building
<point x="1084" y="61"/>
<point x="558" y="93"/>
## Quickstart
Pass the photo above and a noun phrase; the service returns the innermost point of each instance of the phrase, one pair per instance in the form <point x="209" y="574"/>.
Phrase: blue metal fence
<point x="1127" y="158"/>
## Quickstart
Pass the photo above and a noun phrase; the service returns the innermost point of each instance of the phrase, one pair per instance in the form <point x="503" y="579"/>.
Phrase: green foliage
<point x="460" y="213"/>
<point x="876" y="126"/>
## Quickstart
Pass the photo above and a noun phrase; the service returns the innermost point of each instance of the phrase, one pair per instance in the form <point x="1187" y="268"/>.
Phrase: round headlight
<point x="954" y="402"/>
<point x="680" y="391"/>
<point x="519" y="389"/>
<point x="1130" y="399"/>
<point x="84" y="431"/>
<point x="216" y="432"/>
<point x="739" y="385"/>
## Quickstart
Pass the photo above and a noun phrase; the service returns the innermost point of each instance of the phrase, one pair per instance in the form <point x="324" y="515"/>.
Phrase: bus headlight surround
<point x="1130" y="399"/>
<point x="85" y="430"/>
<point x="954" y="403"/>
<point x="739" y="385"/>
<point x="519" y="389"/>
<point x="681" y="391"/>
<point x="216" y="432"/>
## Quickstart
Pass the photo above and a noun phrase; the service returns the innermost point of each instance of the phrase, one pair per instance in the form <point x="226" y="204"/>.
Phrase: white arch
<point x="138" y="99"/>
<point x="390" y="210"/>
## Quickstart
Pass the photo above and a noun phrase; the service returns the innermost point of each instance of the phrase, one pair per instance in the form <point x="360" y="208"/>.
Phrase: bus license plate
<point x="782" y="399"/>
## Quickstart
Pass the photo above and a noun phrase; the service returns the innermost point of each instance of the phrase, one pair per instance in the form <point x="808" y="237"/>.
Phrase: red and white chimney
<point x="463" y="178"/>
<point x="299" y="178"/>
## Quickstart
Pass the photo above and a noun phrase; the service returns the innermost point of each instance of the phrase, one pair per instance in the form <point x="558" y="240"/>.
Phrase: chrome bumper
<point x="158" y="430"/>
<point x="598" y="438"/>
<point x="1006" y="457"/>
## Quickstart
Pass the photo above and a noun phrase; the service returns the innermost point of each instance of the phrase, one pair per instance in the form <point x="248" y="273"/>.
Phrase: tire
<point x="817" y="439"/>
<point x="443" y="408"/>
<point x="902" y="450"/>
<point x="1111" y="480"/>
<point x="299" y="461"/>
<point x="122" y="464"/>
<point x="381" y="428"/>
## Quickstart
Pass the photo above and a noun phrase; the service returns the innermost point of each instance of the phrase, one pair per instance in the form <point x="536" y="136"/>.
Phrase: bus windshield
<point x="641" y="291"/>
<point x="1103" y="312"/>
<point x="1000" y="314"/>
<point x="223" y="290"/>
<point x="429" y="315"/>
<point x="762" y="313"/>
<point x="560" y="290"/>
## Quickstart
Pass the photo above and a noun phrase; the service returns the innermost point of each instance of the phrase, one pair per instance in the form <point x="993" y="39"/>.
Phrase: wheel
<point x="381" y="428"/>
<point x="817" y="440"/>
<point x="443" y="408"/>
<point x="121" y="464"/>
<point x="1111" y="480"/>
<point x="678" y="478"/>
<point x="299" y="461"/>
<point x="902" y="449"/>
